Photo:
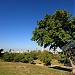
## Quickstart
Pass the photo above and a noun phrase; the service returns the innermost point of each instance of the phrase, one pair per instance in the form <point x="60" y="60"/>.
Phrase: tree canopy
<point x="55" y="30"/>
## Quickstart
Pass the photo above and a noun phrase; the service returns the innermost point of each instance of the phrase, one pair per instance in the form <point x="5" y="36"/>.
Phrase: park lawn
<point x="18" y="68"/>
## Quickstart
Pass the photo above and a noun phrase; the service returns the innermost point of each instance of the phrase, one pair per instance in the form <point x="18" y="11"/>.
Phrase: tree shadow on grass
<point x="61" y="68"/>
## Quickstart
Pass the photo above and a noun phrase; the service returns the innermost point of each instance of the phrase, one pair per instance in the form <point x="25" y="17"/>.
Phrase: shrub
<point x="25" y="59"/>
<point x="33" y="54"/>
<point x="45" y="57"/>
<point x="8" y="56"/>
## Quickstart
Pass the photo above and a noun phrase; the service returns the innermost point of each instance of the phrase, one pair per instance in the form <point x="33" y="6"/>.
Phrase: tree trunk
<point x="73" y="67"/>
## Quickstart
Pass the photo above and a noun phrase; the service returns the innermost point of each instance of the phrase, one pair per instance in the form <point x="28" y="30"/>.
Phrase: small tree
<point x="1" y="50"/>
<point x="25" y="59"/>
<point x="33" y="54"/>
<point x="45" y="57"/>
<point x="6" y="56"/>
<point x="18" y="57"/>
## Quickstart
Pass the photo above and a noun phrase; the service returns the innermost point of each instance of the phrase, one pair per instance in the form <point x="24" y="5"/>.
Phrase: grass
<point x="54" y="62"/>
<point x="18" y="68"/>
<point x="38" y="61"/>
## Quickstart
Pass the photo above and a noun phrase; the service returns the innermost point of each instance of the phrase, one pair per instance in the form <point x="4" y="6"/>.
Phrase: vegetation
<point x="34" y="57"/>
<point x="45" y="56"/>
<point x="28" y="57"/>
<point x="55" y="30"/>
<point x="69" y="50"/>
<point x="1" y="50"/>
<point x="17" y="57"/>
<point x="11" y="68"/>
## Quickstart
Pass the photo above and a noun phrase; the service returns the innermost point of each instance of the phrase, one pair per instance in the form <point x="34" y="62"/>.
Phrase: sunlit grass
<point x="12" y="68"/>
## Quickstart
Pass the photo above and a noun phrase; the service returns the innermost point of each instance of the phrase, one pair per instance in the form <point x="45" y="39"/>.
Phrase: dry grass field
<point x="18" y="68"/>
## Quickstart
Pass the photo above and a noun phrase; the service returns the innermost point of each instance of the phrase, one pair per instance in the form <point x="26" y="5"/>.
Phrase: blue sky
<point x="18" y="18"/>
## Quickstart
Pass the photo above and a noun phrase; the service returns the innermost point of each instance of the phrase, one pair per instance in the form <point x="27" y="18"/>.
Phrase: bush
<point x="25" y="58"/>
<point x="17" y="58"/>
<point x="8" y="56"/>
<point x="31" y="60"/>
<point x="45" y="57"/>
<point x="33" y="54"/>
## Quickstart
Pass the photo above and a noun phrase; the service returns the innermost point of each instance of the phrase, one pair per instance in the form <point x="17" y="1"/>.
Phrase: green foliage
<point x="69" y="50"/>
<point x="33" y="54"/>
<point x="8" y="56"/>
<point x="1" y="50"/>
<point x="28" y="57"/>
<point x="45" y="56"/>
<point x="55" y="56"/>
<point x="18" y="57"/>
<point x="31" y="60"/>
<point x="55" y="30"/>
<point x="63" y="59"/>
<point x="25" y="59"/>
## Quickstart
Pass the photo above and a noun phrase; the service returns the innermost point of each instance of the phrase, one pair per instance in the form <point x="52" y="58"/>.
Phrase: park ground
<point x="18" y="68"/>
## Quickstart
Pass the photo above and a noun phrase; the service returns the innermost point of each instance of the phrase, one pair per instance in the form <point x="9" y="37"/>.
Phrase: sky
<point x="18" y="18"/>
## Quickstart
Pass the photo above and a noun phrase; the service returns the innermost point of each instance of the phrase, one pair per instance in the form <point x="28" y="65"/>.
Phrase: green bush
<point x="33" y="54"/>
<point x="8" y="56"/>
<point x="17" y="58"/>
<point x="28" y="58"/>
<point x="31" y="60"/>
<point x="45" y="56"/>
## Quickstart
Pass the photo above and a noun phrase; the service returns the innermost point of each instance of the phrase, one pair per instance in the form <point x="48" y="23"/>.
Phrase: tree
<point x="69" y="52"/>
<point x="6" y="56"/>
<point x="63" y="59"/>
<point x="18" y="57"/>
<point x="1" y="50"/>
<point x="55" y="30"/>
<point x="33" y="54"/>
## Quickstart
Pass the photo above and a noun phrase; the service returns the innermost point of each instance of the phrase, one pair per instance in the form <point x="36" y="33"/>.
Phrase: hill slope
<point x="12" y="68"/>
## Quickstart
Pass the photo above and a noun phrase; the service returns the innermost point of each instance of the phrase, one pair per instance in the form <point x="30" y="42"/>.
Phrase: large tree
<point x="55" y="30"/>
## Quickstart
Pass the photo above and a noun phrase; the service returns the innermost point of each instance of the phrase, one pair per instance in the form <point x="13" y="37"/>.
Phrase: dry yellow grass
<point x="12" y="68"/>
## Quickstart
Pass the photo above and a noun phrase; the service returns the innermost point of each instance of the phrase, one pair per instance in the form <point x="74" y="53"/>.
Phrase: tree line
<point x="44" y="56"/>
<point x="28" y="57"/>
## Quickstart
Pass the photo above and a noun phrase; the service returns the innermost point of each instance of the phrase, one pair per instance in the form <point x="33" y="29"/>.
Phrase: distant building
<point x="21" y="51"/>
